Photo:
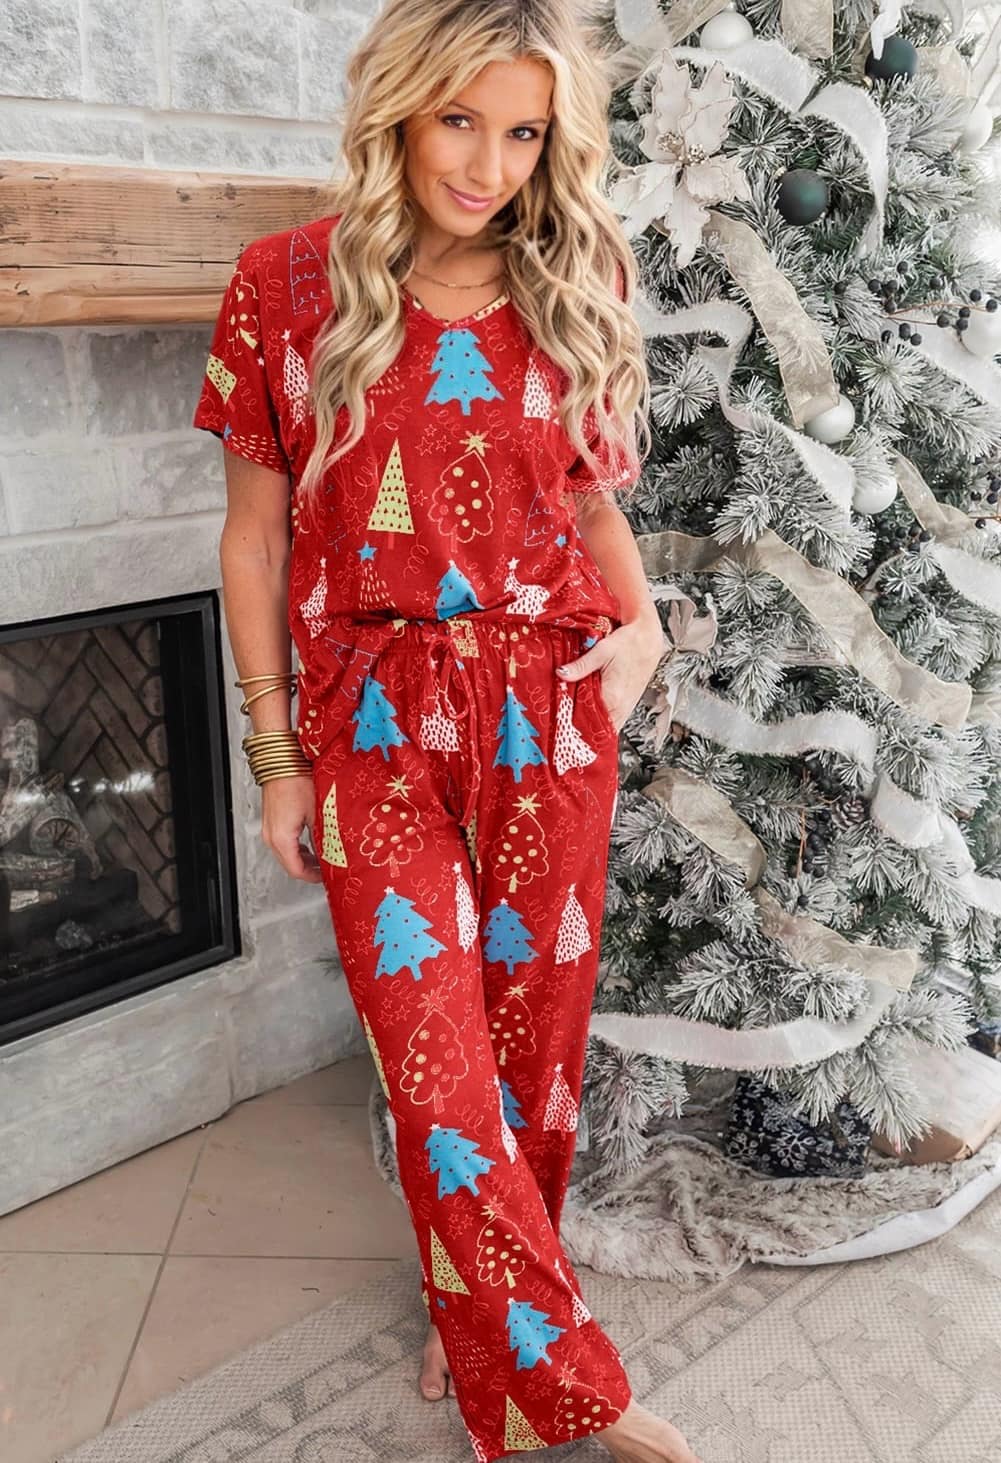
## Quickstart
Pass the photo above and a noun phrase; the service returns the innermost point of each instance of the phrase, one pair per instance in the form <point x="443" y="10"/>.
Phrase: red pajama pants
<point x="462" y="824"/>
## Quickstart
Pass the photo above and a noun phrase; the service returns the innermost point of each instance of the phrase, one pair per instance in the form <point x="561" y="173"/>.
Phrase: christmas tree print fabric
<point x="462" y="819"/>
<point x="459" y="499"/>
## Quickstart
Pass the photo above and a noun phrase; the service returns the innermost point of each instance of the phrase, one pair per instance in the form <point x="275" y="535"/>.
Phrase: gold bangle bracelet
<point x="268" y="766"/>
<point x="264" y="691"/>
<point x="287" y="735"/>
<point x="271" y="676"/>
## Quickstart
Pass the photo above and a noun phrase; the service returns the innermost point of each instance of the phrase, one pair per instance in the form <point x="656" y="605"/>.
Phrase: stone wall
<point x="108" y="496"/>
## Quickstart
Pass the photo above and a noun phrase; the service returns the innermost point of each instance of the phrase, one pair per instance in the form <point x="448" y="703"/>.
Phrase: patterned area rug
<point x="889" y="1360"/>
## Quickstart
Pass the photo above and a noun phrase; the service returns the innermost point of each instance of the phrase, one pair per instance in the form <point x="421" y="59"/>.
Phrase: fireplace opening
<point x="116" y="844"/>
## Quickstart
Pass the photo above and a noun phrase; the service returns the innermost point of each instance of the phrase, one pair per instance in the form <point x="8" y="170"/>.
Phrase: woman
<point x="473" y="627"/>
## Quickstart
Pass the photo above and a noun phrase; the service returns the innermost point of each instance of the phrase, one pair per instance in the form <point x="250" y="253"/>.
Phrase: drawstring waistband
<point x="332" y="677"/>
<point x="453" y="670"/>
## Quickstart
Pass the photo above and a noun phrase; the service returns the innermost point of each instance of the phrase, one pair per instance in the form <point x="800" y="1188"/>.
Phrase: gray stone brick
<point x="68" y="487"/>
<point x="325" y="46"/>
<point x="171" y="476"/>
<point x="63" y="576"/>
<point x="225" y="146"/>
<point x="34" y="392"/>
<point x="30" y="129"/>
<point x="233" y="56"/>
<point x="120" y="59"/>
<point x="362" y="11"/>
<point x="40" y="48"/>
<point x="142" y="380"/>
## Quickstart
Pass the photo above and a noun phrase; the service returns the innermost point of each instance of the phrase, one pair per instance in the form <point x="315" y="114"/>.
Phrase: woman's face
<point x="485" y="142"/>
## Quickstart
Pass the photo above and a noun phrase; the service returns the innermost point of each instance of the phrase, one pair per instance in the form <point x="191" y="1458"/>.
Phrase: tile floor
<point x="130" y="1283"/>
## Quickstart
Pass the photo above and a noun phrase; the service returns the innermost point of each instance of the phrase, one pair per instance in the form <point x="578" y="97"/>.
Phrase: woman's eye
<point x="459" y="117"/>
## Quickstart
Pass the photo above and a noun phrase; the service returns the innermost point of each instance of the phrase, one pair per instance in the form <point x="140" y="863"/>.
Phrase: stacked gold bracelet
<point x="273" y="753"/>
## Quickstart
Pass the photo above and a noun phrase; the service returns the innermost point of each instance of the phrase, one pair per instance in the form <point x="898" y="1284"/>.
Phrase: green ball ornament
<point x="899" y="58"/>
<point x="802" y="196"/>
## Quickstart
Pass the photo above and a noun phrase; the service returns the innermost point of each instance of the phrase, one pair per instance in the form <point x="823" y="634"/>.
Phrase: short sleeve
<point x="235" y="402"/>
<point x="615" y="470"/>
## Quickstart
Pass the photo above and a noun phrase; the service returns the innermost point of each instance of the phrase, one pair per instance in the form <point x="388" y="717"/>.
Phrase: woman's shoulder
<point x="295" y="247"/>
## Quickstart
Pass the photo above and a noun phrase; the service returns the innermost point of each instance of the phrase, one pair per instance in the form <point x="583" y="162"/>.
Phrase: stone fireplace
<point x="187" y="971"/>
<point x="116" y="843"/>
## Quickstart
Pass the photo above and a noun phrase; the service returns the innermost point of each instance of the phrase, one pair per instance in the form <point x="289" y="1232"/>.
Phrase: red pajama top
<point x="458" y="500"/>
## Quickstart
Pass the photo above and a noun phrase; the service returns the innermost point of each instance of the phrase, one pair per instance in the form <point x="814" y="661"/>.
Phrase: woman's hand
<point x="627" y="658"/>
<point x="287" y="806"/>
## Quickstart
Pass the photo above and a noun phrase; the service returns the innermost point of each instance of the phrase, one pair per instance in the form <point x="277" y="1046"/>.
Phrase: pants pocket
<point x="604" y="716"/>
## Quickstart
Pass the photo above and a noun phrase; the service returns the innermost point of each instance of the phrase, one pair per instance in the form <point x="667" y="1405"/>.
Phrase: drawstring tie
<point x="451" y="673"/>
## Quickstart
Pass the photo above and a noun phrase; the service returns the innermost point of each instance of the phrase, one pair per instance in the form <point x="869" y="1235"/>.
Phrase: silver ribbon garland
<point x="835" y="607"/>
<point x="832" y="473"/>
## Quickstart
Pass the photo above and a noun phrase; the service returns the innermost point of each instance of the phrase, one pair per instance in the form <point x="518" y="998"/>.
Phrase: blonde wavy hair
<point x="571" y="274"/>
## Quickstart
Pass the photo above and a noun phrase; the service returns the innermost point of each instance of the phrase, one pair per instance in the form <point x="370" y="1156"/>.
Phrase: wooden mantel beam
<point x="86" y="245"/>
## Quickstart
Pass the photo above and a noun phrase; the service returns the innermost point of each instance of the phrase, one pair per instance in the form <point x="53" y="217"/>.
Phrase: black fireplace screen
<point x="116" y="869"/>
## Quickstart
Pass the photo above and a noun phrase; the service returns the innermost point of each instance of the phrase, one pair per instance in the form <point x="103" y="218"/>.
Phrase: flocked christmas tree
<point x="805" y="869"/>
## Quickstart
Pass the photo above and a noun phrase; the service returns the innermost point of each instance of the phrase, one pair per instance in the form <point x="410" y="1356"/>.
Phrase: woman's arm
<point x="605" y="530"/>
<point x="254" y="552"/>
<point x="632" y="652"/>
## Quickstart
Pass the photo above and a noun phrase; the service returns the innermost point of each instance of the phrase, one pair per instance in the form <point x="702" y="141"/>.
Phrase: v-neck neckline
<point x="421" y="311"/>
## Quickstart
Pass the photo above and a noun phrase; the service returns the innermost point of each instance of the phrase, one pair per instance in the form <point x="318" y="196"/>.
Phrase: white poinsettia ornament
<point x="682" y="136"/>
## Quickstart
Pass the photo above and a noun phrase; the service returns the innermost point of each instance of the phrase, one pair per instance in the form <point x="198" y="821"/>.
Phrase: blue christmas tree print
<point x="455" y="594"/>
<point x="455" y="1160"/>
<point x="512" y="1108"/>
<point x="376" y="727"/>
<point x="515" y="732"/>
<point x="403" y="935"/>
<point x="506" y="938"/>
<point x="463" y="371"/>
<point x="528" y="1333"/>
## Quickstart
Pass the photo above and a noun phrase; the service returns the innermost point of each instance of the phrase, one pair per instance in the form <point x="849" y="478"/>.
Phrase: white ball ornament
<point x="874" y="495"/>
<point x="977" y="128"/>
<point x="833" y="424"/>
<point x="724" y="31"/>
<point x="982" y="336"/>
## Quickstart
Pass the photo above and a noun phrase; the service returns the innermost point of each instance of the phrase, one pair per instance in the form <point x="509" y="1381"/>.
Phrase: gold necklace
<point x="449" y="286"/>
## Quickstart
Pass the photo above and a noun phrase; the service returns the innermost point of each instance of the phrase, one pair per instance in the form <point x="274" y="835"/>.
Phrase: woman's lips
<point x="467" y="202"/>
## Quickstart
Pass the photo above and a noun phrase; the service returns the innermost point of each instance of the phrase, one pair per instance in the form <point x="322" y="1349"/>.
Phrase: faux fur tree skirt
<point x="691" y="1214"/>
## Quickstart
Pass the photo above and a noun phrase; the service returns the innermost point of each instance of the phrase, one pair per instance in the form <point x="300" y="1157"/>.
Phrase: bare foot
<point x="434" y="1371"/>
<point x="639" y="1436"/>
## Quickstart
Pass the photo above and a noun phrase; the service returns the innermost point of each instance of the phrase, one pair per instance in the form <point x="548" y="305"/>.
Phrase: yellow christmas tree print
<point x="221" y="376"/>
<point x="333" y="847"/>
<point x="376" y="1055"/>
<point x="519" y="1434"/>
<point x="443" y="1273"/>
<point x="391" y="510"/>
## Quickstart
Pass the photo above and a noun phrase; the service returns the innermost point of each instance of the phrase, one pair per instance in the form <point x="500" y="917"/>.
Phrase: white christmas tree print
<point x="561" y="1110"/>
<point x="307" y="275"/>
<point x="536" y="397"/>
<point x="581" y="1314"/>
<point x="574" y="937"/>
<point x="439" y="731"/>
<point x="507" y="1137"/>
<point x="465" y="909"/>
<point x="531" y="599"/>
<point x="313" y="608"/>
<point x="295" y="380"/>
<point x="571" y="750"/>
